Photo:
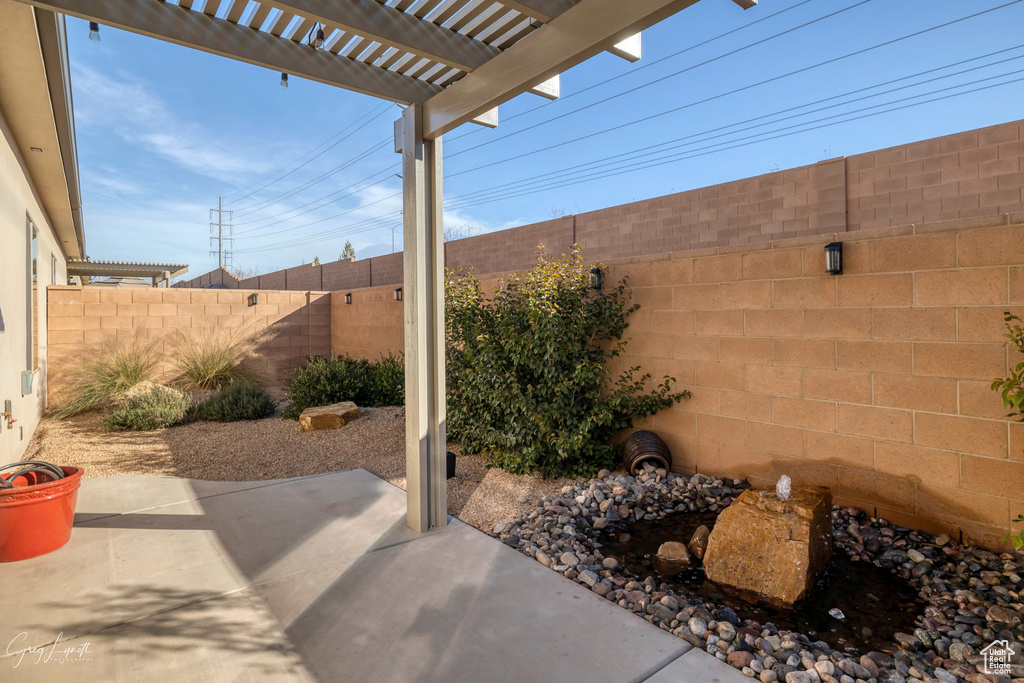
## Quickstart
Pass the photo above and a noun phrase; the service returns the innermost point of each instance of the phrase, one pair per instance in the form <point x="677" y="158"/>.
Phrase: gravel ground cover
<point x="973" y="596"/>
<point x="274" y="448"/>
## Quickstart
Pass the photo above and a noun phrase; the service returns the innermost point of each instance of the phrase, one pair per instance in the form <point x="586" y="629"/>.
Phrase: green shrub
<point x="528" y="380"/>
<point x="238" y="401"/>
<point x="385" y="383"/>
<point x="107" y="373"/>
<point x="323" y="381"/>
<point x="213" y="359"/>
<point x="154" y="409"/>
<point x="1012" y="387"/>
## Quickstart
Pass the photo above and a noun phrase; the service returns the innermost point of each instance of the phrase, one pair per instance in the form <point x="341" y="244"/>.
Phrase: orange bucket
<point x="36" y="515"/>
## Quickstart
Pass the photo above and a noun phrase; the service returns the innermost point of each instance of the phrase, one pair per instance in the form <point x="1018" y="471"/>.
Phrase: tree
<point x="316" y="260"/>
<point x="348" y="251"/>
<point x="459" y="231"/>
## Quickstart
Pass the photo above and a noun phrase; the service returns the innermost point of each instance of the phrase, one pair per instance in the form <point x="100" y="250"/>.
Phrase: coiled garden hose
<point x="29" y="466"/>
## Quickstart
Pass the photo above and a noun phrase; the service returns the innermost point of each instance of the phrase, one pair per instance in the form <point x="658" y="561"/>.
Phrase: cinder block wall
<point x="874" y="383"/>
<point x="85" y="320"/>
<point x="371" y="326"/>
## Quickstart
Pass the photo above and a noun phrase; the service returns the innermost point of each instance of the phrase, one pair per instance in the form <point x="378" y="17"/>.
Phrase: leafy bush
<point x="528" y="379"/>
<point x="385" y="384"/>
<point x="323" y="381"/>
<point x="107" y="373"/>
<point x="237" y="401"/>
<point x="1012" y="387"/>
<point x="213" y="359"/>
<point x="154" y="409"/>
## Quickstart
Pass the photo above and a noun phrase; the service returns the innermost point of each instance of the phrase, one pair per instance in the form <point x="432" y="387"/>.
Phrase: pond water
<point x="875" y="602"/>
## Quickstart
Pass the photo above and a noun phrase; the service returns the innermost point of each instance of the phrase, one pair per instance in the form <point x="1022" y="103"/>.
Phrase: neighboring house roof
<point x="131" y="269"/>
<point x="37" y="115"/>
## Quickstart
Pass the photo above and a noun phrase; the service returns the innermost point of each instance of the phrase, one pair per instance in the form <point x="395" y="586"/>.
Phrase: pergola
<point x="451" y="62"/>
<point x="158" y="273"/>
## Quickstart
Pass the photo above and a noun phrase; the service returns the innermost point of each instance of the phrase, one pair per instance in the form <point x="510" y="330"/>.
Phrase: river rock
<point x="698" y="544"/>
<point x="329" y="417"/>
<point x="772" y="547"/>
<point x="673" y="557"/>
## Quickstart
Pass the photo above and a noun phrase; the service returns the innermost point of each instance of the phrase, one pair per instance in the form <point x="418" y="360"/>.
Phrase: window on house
<point x="33" y="297"/>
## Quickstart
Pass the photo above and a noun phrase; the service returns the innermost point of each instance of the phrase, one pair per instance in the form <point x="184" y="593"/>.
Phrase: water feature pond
<point x="876" y="603"/>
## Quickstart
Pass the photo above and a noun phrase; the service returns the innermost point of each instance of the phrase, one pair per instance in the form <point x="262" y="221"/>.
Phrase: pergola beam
<point x="590" y="27"/>
<point x="220" y="37"/>
<point x="542" y="10"/>
<point x="394" y="28"/>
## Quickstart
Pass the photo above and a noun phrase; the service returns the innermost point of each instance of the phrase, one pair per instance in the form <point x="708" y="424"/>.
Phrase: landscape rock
<point x="772" y="547"/>
<point x="698" y="544"/>
<point x="333" y="416"/>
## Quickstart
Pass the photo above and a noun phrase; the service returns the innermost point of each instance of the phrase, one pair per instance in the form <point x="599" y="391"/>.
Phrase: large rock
<point x="772" y="547"/>
<point x="328" y="417"/>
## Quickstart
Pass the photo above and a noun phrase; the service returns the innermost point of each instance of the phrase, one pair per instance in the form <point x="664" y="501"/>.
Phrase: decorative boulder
<point x="772" y="547"/>
<point x="328" y="417"/>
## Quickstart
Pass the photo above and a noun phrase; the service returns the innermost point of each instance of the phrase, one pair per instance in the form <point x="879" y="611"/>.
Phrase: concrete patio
<point x="316" y="578"/>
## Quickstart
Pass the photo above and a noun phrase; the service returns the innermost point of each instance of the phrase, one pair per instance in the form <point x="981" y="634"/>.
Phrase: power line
<point x="271" y="175"/>
<point x="732" y="92"/>
<point x="746" y="142"/>
<point x="663" y="78"/>
<point x="388" y="170"/>
<point x="380" y="221"/>
<point x="634" y="71"/>
<point x="372" y="223"/>
<point x="649" y="150"/>
<point x="315" y="181"/>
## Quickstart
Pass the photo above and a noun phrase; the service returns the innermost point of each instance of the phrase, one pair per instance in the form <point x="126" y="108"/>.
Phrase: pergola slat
<point x="299" y="36"/>
<point x="394" y="28"/>
<point x="211" y="7"/>
<point x="221" y="37"/>
<point x="427" y="8"/>
<point x="281" y="23"/>
<point x="237" y="10"/>
<point x="259" y="16"/>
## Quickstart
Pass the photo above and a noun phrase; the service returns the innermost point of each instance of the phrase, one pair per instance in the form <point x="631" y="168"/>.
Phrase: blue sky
<point x="163" y="131"/>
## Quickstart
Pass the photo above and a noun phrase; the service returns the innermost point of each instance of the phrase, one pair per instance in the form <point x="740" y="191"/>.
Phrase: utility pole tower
<point x="221" y="233"/>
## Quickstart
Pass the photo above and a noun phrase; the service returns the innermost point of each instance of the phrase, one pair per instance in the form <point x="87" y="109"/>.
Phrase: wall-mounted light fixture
<point x="348" y="297"/>
<point x="284" y="81"/>
<point x="834" y="258"/>
<point x="94" y="32"/>
<point x="595" y="278"/>
<point x="254" y="299"/>
<point x="398" y="294"/>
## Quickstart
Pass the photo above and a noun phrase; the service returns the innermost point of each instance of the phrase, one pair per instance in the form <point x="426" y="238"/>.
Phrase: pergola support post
<point x="423" y="297"/>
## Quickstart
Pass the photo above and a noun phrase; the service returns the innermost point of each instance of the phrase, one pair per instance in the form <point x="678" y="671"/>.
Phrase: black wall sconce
<point x="398" y="294"/>
<point x="348" y="297"/>
<point x="254" y="299"/>
<point x="834" y="258"/>
<point x="595" y="278"/>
